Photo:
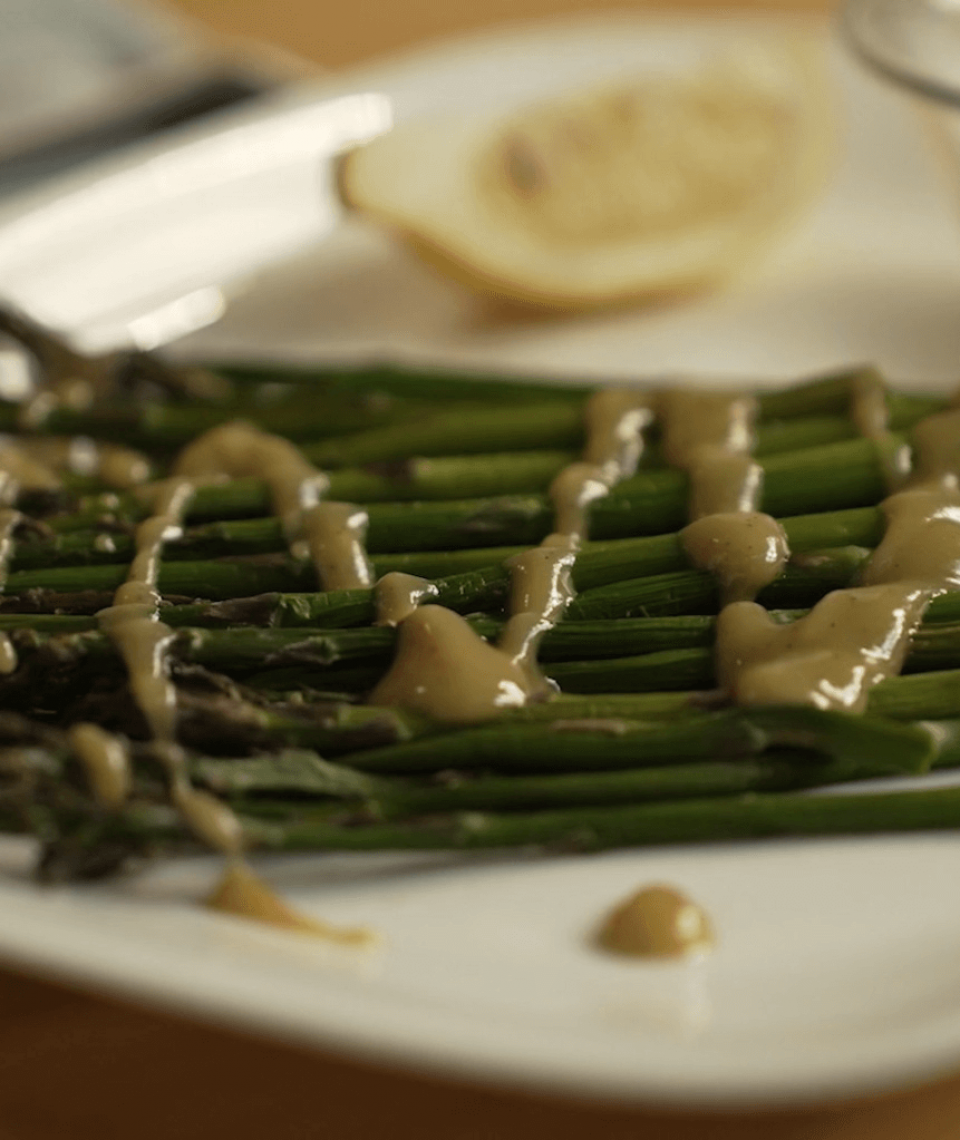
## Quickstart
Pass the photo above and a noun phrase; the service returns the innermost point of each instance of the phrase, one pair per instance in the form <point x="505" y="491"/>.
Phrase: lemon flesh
<point x="650" y="186"/>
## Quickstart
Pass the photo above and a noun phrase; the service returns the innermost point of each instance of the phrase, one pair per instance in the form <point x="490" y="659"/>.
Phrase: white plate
<point x="838" y="965"/>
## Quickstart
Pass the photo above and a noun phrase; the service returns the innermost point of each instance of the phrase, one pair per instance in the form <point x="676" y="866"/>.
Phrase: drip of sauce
<point x="572" y="492"/>
<point x="936" y="448"/>
<point x="656" y="922"/>
<point x="107" y="762"/>
<point x="243" y="893"/>
<point x="541" y="590"/>
<point x="335" y="536"/>
<point x="210" y="819"/>
<point x="441" y="667"/>
<point x="710" y="436"/>
<point x="133" y="625"/>
<point x="398" y="595"/>
<point x="691" y="421"/>
<point x="237" y="450"/>
<point x="744" y="550"/>
<point x="871" y="417"/>
<point x="854" y="638"/>
<point x="331" y="534"/>
<point x="868" y="405"/>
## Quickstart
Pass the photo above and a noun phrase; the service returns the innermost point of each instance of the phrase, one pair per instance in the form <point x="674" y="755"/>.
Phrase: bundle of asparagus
<point x="631" y="740"/>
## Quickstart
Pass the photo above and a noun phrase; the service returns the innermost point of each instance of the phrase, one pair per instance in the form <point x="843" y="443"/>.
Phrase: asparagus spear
<point x="759" y="749"/>
<point x="912" y="697"/>
<point x="276" y="786"/>
<point x="573" y="745"/>
<point x="828" y="394"/>
<point x="829" y="478"/>
<point x="754" y="816"/>
<point x="472" y="531"/>
<point x="145" y="826"/>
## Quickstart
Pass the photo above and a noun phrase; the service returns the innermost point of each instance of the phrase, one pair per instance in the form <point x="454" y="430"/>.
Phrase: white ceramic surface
<point x="838" y="963"/>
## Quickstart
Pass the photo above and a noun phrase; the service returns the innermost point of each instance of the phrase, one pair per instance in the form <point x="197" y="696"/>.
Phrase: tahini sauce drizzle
<point x="107" y="762"/>
<point x="133" y="625"/>
<point x="854" y="638"/>
<point x="870" y="415"/>
<point x="442" y="667"/>
<point x="398" y="595"/>
<point x="710" y="436"/>
<point x="330" y="534"/>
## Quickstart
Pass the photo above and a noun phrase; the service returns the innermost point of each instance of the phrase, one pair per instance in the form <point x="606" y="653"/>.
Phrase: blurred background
<point x="333" y="34"/>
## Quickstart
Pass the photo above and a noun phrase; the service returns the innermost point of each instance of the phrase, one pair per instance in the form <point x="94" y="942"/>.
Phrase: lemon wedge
<point x="645" y="187"/>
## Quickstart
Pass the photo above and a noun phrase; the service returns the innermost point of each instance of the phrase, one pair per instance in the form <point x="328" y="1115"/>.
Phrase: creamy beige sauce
<point x="854" y="638"/>
<point x="335" y="534"/>
<point x="330" y="534"/>
<point x="722" y="482"/>
<point x="107" y="762"/>
<point x="656" y="922"/>
<point x="744" y="550"/>
<point x="243" y="893"/>
<point x="643" y="160"/>
<point x="935" y="444"/>
<point x="210" y="819"/>
<point x="541" y="590"/>
<point x="398" y="595"/>
<point x="572" y="492"/>
<point x="871" y="417"/>
<point x="133" y="625"/>
<point x="710" y="435"/>
<point x="868" y="405"/>
<point x="831" y="659"/>
<point x="691" y="420"/>
<point x="614" y="423"/>
<point x="441" y="667"/>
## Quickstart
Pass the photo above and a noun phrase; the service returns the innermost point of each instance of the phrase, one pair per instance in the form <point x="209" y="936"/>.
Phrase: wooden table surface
<point x="73" y="1064"/>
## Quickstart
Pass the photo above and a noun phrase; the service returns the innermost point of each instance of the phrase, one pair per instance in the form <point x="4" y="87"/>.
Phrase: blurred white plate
<point x="838" y="965"/>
